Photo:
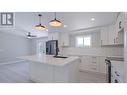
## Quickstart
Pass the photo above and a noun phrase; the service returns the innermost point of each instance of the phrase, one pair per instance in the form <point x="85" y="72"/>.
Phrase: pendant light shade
<point x="39" y="27"/>
<point x="55" y="22"/>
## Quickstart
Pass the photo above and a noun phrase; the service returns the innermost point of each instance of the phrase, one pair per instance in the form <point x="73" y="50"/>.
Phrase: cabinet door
<point x="85" y="60"/>
<point x="112" y="35"/>
<point x="50" y="36"/>
<point x="89" y="63"/>
<point x="94" y="64"/>
<point x="104" y="36"/>
<point x="53" y="36"/>
<point x="120" y="22"/>
<point x="102" y="65"/>
<point x="64" y="39"/>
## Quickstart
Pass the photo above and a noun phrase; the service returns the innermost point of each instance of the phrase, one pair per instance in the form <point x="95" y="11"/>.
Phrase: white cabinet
<point x="53" y="36"/>
<point x="104" y="36"/>
<point x="64" y="40"/>
<point x="50" y="73"/>
<point x="85" y="60"/>
<point x="113" y="36"/>
<point x="120" y="22"/>
<point x="93" y="63"/>
<point x="89" y="63"/>
<point x="102" y="64"/>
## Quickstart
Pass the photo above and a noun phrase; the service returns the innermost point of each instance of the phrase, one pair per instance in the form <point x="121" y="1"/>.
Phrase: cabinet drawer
<point x="93" y="63"/>
<point x="93" y="69"/>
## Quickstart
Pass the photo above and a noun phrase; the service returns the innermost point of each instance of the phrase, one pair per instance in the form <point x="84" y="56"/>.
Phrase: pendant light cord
<point x="55" y="15"/>
<point x="39" y="18"/>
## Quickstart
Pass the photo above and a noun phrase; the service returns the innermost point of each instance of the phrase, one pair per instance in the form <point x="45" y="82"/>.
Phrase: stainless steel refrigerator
<point x="52" y="47"/>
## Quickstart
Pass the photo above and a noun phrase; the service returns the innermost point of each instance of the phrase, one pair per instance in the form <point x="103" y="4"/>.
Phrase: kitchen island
<point x="49" y="69"/>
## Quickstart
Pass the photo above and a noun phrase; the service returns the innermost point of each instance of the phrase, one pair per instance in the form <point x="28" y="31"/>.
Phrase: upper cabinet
<point x="64" y="39"/>
<point x="53" y="36"/>
<point x="104" y="36"/>
<point x="120" y="22"/>
<point x="113" y="34"/>
<point x="109" y="36"/>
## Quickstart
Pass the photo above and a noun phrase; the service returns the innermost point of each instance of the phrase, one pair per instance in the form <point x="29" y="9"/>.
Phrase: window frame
<point x="83" y="46"/>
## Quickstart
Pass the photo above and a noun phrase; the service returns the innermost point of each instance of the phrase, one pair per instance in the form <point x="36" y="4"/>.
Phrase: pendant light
<point x="39" y="27"/>
<point x="55" y="22"/>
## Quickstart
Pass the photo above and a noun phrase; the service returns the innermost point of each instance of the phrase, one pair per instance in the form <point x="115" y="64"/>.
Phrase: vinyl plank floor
<point x="19" y="73"/>
<point x="15" y="73"/>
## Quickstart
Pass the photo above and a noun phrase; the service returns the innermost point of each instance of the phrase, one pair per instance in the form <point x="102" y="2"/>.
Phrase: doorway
<point x="41" y="46"/>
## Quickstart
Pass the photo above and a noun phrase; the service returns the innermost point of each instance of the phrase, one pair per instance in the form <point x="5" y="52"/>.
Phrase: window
<point x="83" y="41"/>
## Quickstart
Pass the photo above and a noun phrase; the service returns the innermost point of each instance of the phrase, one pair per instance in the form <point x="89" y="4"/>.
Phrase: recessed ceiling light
<point x="65" y="26"/>
<point x="92" y="19"/>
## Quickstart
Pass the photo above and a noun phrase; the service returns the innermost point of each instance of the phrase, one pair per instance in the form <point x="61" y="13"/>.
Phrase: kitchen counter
<point x="95" y="55"/>
<point x="48" y="69"/>
<point x="49" y="59"/>
<point x="115" y="58"/>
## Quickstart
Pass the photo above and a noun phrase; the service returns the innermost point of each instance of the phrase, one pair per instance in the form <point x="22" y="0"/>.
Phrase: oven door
<point x="108" y="70"/>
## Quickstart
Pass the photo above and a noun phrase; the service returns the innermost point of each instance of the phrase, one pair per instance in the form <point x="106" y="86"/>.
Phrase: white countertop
<point x="49" y="59"/>
<point x="94" y="55"/>
<point x="115" y="58"/>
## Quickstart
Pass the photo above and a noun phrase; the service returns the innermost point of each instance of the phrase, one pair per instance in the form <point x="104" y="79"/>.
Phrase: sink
<point x="60" y="56"/>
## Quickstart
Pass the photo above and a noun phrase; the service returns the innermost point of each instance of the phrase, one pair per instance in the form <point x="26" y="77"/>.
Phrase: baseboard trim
<point x="11" y="62"/>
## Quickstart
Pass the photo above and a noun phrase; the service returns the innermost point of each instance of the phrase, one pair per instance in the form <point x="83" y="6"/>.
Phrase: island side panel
<point x="40" y="72"/>
<point x="68" y="73"/>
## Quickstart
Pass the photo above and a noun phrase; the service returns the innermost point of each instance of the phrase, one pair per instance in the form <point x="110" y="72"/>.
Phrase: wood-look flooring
<point x="19" y="73"/>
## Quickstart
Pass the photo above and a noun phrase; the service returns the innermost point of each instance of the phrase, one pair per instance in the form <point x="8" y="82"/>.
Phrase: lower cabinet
<point x="93" y="63"/>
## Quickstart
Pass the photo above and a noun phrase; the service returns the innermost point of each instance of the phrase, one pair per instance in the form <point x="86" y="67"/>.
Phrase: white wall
<point x="125" y="56"/>
<point x="12" y="46"/>
<point x="125" y="49"/>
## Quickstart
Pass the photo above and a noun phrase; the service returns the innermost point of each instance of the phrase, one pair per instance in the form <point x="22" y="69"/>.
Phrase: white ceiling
<point x="25" y="21"/>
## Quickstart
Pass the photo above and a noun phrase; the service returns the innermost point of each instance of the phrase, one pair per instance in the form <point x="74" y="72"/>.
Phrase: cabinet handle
<point x="120" y="25"/>
<point x="94" y="57"/>
<point x="94" y="68"/>
<point x="114" y="41"/>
